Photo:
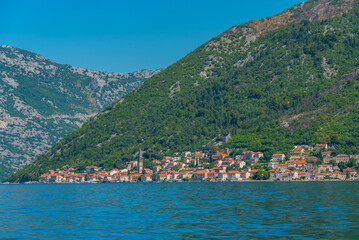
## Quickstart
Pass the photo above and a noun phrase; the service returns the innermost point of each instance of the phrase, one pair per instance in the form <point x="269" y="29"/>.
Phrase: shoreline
<point x="246" y="181"/>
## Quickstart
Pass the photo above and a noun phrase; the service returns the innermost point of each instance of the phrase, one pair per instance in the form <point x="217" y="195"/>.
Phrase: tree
<point x="333" y="162"/>
<point x="342" y="166"/>
<point x="155" y="177"/>
<point x="261" y="175"/>
<point x="352" y="163"/>
<point x="318" y="162"/>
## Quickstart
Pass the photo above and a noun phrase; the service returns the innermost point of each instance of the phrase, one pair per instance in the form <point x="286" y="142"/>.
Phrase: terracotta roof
<point x="298" y="149"/>
<point x="321" y="144"/>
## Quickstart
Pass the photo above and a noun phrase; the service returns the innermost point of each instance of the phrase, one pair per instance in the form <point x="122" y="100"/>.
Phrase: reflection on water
<point x="305" y="210"/>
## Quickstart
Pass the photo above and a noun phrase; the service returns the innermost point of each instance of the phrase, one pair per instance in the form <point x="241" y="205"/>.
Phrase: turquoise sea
<point x="252" y="210"/>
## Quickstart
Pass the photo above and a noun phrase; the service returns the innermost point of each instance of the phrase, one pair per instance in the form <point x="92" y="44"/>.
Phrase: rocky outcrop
<point x="42" y="101"/>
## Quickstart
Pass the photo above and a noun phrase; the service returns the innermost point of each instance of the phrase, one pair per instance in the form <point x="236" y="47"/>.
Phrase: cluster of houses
<point x="201" y="166"/>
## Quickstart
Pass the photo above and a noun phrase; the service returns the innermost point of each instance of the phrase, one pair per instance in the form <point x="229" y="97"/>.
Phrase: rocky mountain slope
<point x="272" y="83"/>
<point x="42" y="101"/>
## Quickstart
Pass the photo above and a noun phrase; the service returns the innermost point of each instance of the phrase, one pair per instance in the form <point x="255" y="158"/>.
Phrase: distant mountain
<point x="271" y="83"/>
<point x="42" y="101"/>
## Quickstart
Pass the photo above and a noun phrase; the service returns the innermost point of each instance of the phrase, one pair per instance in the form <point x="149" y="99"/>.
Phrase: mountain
<point x="42" y="101"/>
<point x="271" y="83"/>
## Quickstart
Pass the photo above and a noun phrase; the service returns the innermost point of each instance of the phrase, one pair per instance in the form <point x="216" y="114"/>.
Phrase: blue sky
<point x="123" y="35"/>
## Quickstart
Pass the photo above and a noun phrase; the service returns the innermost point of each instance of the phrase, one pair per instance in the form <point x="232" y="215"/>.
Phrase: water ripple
<point x="258" y="210"/>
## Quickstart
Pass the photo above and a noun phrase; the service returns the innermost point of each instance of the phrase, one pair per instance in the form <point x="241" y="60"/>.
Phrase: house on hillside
<point x="321" y="146"/>
<point x="273" y="165"/>
<point x="146" y="178"/>
<point x="200" y="175"/>
<point x="131" y="165"/>
<point x="342" y="158"/>
<point x="297" y="151"/>
<point x="278" y="157"/>
<point x="244" y="174"/>
<point x="325" y="168"/>
<point x="223" y="176"/>
<point x="239" y="164"/>
<point x="44" y="177"/>
<point x="234" y="176"/>
<point x="248" y="154"/>
<point x="311" y="159"/>
<point x="253" y="160"/>
<point x="92" y="169"/>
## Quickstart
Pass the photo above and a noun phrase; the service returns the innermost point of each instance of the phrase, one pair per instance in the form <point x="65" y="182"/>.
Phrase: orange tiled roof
<point x="298" y="149"/>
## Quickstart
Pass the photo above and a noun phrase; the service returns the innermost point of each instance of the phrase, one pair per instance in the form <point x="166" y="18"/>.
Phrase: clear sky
<point x="123" y="35"/>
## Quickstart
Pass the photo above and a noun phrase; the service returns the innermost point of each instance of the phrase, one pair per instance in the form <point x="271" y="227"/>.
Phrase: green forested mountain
<point x="271" y="83"/>
<point x="42" y="101"/>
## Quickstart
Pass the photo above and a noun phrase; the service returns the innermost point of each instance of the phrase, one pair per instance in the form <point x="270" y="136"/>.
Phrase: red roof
<point x="321" y="144"/>
<point x="298" y="149"/>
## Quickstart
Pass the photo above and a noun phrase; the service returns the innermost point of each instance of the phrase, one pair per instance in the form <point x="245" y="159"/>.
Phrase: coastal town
<point x="304" y="163"/>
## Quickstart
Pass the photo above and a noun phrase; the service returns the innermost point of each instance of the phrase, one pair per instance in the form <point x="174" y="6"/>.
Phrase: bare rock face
<point x="42" y="101"/>
<point x="238" y="39"/>
<point x="310" y="10"/>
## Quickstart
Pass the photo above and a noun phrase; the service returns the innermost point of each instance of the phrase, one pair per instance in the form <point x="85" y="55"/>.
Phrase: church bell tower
<point x="140" y="162"/>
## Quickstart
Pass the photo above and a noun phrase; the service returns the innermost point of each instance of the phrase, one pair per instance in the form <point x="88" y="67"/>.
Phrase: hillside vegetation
<point x="271" y="83"/>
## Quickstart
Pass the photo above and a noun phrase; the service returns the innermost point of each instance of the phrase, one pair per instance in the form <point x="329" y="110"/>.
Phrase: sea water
<point x="244" y="210"/>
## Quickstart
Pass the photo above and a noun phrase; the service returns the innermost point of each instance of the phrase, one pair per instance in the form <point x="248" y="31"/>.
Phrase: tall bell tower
<point x="140" y="162"/>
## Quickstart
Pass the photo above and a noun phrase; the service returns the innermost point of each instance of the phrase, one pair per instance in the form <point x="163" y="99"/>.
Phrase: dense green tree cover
<point x="297" y="84"/>
<point x="261" y="175"/>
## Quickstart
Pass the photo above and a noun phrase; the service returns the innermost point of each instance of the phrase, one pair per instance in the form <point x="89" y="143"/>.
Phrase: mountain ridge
<point x="42" y="101"/>
<point x="294" y="83"/>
